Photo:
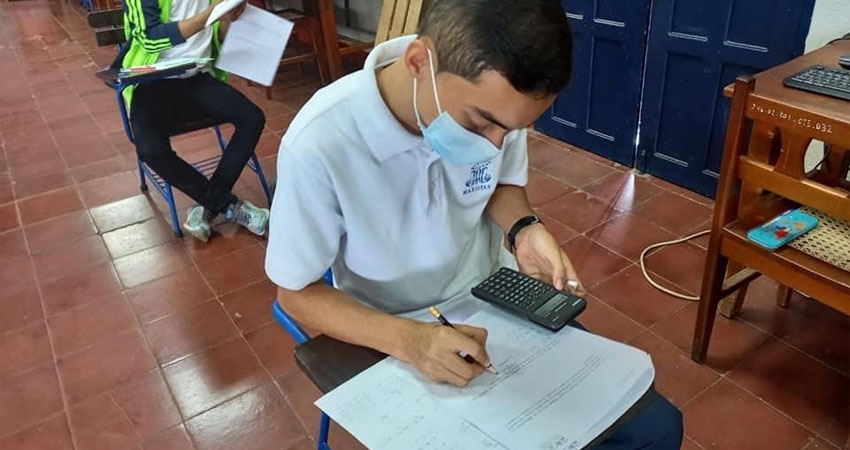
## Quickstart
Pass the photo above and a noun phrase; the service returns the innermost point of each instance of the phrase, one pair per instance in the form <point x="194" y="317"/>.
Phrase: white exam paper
<point x="554" y="391"/>
<point x="254" y="45"/>
<point x="222" y="8"/>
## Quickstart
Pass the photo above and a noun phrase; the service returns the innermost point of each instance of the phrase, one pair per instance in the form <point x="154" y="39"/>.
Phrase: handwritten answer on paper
<point x="554" y="391"/>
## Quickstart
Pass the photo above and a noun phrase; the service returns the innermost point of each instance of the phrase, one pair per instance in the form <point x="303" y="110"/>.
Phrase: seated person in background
<point x="404" y="178"/>
<point x="163" y="30"/>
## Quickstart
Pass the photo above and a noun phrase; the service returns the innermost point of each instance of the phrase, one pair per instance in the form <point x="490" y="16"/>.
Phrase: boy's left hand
<point x="234" y="13"/>
<point x="539" y="255"/>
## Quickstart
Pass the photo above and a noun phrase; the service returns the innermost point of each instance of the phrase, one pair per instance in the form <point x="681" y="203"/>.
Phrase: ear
<point x="416" y="57"/>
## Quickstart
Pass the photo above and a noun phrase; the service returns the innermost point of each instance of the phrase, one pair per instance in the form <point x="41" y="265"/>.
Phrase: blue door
<point x="695" y="48"/>
<point x="599" y="109"/>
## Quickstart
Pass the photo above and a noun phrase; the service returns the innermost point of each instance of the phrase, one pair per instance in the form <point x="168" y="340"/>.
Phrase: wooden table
<point x="763" y="174"/>
<point x="330" y="363"/>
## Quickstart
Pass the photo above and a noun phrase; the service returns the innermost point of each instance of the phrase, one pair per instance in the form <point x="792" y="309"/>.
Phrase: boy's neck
<point x="396" y="87"/>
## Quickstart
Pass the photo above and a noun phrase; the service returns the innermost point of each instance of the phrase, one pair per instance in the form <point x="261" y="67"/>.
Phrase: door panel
<point x="598" y="111"/>
<point x="695" y="48"/>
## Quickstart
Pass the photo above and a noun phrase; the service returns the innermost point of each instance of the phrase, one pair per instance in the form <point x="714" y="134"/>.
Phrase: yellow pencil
<point x="436" y="313"/>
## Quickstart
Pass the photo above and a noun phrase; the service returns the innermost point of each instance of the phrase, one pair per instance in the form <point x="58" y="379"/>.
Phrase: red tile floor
<point x="116" y="335"/>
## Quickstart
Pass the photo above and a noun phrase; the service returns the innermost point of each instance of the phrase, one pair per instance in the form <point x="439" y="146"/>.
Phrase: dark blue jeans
<point x="658" y="426"/>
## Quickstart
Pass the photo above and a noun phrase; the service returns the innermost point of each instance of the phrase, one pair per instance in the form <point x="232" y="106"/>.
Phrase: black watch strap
<point x="519" y="225"/>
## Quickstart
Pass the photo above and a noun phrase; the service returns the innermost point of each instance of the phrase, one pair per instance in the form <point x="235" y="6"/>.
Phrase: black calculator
<point x="530" y="298"/>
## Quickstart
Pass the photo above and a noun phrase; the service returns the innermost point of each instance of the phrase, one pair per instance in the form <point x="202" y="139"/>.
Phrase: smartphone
<point x="782" y="229"/>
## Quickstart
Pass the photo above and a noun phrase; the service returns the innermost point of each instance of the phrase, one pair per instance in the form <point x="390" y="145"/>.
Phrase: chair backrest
<point x="108" y="26"/>
<point x="398" y="17"/>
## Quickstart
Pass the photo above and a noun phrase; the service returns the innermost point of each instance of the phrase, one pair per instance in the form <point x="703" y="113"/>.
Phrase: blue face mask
<point x="445" y="136"/>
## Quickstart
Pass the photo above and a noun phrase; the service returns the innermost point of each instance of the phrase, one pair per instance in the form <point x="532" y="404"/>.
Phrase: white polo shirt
<point x="401" y="228"/>
<point x="199" y="45"/>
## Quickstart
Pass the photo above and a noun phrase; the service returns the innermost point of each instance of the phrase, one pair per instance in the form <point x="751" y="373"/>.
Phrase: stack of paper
<point x="554" y="391"/>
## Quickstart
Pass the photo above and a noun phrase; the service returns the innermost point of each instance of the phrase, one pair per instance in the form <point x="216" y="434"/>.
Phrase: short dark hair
<point x="527" y="41"/>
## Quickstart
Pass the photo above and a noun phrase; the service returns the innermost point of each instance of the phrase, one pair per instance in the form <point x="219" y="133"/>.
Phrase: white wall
<point x="830" y="19"/>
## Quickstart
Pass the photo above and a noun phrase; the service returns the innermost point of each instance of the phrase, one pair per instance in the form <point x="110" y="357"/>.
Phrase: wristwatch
<point x="519" y="225"/>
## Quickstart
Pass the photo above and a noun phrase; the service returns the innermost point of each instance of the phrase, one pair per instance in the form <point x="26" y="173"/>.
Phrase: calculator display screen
<point x="551" y="304"/>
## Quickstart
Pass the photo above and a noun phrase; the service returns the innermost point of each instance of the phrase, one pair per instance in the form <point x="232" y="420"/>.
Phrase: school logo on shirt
<point x="479" y="179"/>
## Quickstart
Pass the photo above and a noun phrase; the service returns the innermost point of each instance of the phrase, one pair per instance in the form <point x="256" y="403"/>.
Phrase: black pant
<point x="165" y="105"/>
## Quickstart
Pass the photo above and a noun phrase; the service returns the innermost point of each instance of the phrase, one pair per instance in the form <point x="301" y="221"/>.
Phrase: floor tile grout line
<point x="773" y="407"/>
<point x="759" y="398"/>
<point x="751" y="324"/>
<point x="726" y="374"/>
<point x="789" y="344"/>
<point x="159" y="368"/>
<point x="700" y="393"/>
<point x="257" y="358"/>
<point x="217" y="299"/>
<point x="60" y="382"/>
<point x="637" y="263"/>
<point x="694" y="442"/>
<point x="50" y="340"/>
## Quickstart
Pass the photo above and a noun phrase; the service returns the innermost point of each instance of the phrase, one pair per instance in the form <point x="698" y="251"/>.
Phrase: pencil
<point x="436" y="313"/>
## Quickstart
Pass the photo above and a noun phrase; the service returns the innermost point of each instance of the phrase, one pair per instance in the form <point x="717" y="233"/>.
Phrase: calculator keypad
<point x="513" y="288"/>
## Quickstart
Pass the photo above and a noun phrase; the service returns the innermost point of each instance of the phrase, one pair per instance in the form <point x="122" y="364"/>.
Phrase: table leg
<point x="328" y="21"/>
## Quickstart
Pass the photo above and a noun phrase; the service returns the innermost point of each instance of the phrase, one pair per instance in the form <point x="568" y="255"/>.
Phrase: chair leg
<point x="259" y="170"/>
<point x="783" y="296"/>
<point x="175" y="221"/>
<point x="324" y="427"/>
<point x="221" y="142"/>
<point x="143" y="184"/>
<point x="712" y="282"/>
<point x="319" y="48"/>
<point x="730" y="306"/>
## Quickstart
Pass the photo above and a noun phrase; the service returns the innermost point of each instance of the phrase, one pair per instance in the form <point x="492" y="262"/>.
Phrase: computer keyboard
<point x="822" y="80"/>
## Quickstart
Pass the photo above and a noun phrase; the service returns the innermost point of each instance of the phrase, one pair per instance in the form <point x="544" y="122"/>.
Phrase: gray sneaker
<point x="198" y="223"/>
<point x="255" y="219"/>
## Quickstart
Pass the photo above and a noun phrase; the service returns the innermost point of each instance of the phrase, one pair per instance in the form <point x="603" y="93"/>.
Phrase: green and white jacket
<point x="149" y="31"/>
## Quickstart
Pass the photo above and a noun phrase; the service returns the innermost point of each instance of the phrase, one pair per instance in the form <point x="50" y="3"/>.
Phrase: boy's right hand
<point x="435" y="350"/>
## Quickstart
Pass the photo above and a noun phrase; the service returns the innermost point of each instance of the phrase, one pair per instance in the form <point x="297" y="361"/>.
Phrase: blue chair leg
<point x="324" y="427"/>
<point x="221" y="142"/>
<point x="259" y="169"/>
<point x="300" y="337"/>
<point x="143" y="184"/>
<point x="175" y="221"/>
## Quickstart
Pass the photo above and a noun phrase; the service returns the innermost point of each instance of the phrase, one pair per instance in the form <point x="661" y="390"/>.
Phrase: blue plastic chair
<point x="205" y="166"/>
<point x="291" y="326"/>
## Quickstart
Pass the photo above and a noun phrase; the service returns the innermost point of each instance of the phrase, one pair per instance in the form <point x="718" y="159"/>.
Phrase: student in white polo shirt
<point x="406" y="176"/>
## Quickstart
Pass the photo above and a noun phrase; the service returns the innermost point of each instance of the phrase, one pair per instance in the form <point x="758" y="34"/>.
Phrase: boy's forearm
<point x="507" y="205"/>
<point x="332" y="312"/>
<point x="194" y="24"/>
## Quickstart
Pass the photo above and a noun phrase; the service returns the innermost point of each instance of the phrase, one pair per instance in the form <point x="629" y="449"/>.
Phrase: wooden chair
<point x="306" y="19"/>
<point x="762" y="174"/>
<point x="398" y="18"/>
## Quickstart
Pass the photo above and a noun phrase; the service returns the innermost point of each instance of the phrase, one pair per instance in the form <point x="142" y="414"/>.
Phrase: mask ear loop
<point x="416" y="107"/>
<point x="433" y="85"/>
<point x="434" y="81"/>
